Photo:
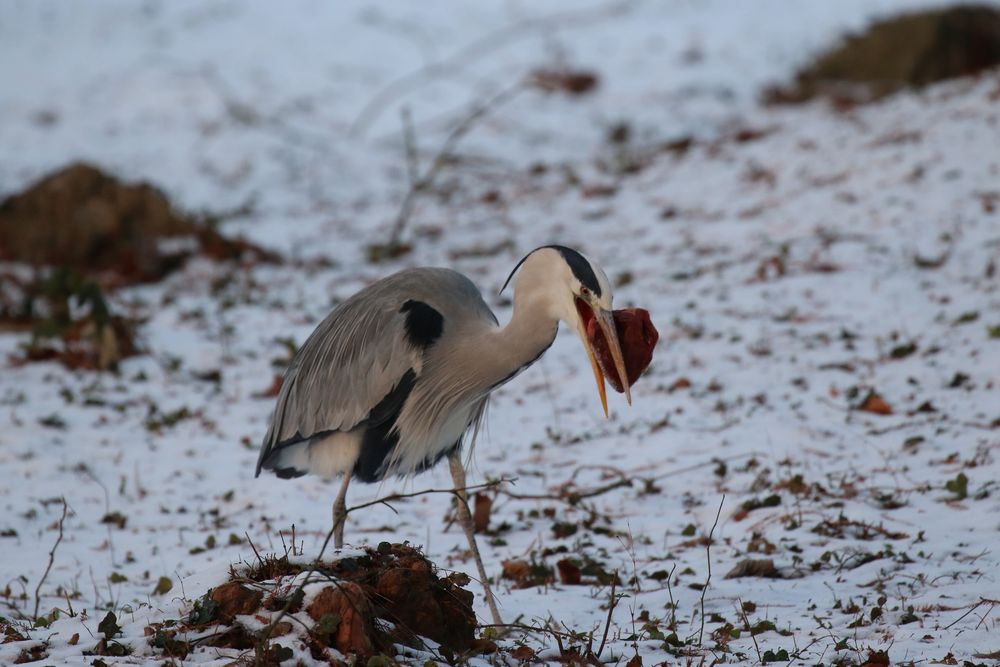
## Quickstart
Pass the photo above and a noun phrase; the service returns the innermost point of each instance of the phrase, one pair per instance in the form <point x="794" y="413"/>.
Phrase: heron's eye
<point x="584" y="291"/>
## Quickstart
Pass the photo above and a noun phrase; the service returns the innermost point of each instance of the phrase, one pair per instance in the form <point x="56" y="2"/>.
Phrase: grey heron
<point x="396" y="376"/>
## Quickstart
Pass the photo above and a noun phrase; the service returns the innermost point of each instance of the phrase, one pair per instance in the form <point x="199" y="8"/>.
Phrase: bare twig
<point x="440" y="160"/>
<point x="713" y="462"/>
<point x="476" y="49"/>
<point x="743" y="613"/>
<point x="255" y="552"/>
<point x="708" y="579"/>
<point x="455" y="492"/>
<point x="611" y="608"/>
<point x="673" y="605"/>
<point x="107" y="508"/>
<point x="410" y="146"/>
<point x="52" y="558"/>
<point x="971" y="609"/>
<point x="569" y="492"/>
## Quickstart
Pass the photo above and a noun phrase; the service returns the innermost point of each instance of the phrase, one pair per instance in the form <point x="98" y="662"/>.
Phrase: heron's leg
<point x="340" y="513"/>
<point x="465" y="518"/>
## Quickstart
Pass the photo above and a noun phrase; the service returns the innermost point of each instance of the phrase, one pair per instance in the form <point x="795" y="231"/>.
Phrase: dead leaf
<point x="273" y="390"/>
<point x="754" y="567"/>
<point x="680" y="383"/>
<point x="572" y="82"/>
<point x="523" y="653"/>
<point x="875" y="404"/>
<point x="481" y="512"/>
<point x="569" y="573"/>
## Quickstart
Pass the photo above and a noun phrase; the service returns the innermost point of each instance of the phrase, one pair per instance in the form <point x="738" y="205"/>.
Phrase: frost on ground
<point x="809" y="471"/>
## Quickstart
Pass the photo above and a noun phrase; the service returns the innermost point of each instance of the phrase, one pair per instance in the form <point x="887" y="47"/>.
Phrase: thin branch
<point x="455" y="492"/>
<point x="52" y="558"/>
<point x="572" y="497"/>
<point x="255" y="552"/>
<point x="971" y="609"/>
<point x="708" y="579"/>
<point x="607" y="622"/>
<point x="476" y="49"/>
<point x="410" y="146"/>
<point x="673" y="605"/>
<point x="743" y="613"/>
<point x="440" y="160"/>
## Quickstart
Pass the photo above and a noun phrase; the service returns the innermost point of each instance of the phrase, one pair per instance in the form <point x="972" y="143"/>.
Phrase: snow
<point x="781" y="272"/>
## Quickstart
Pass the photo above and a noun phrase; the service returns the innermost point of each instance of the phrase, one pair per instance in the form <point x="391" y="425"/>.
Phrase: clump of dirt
<point x="82" y="232"/>
<point x="83" y="219"/>
<point x="360" y="605"/>
<point x="909" y="51"/>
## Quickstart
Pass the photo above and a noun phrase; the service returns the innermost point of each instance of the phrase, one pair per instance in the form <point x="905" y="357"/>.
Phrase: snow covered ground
<point x="794" y="260"/>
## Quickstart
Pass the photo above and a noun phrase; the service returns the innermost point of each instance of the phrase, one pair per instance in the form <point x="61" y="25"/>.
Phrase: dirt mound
<point x="83" y="219"/>
<point x="361" y="605"/>
<point x="908" y="51"/>
<point x="88" y="232"/>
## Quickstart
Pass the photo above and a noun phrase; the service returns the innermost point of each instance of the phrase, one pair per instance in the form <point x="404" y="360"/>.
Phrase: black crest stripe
<point x="580" y="267"/>
<point x="423" y="324"/>
<point x="578" y="264"/>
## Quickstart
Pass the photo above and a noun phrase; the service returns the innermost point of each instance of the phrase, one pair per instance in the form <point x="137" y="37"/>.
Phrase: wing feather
<point x="350" y="362"/>
<point x="358" y="355"/>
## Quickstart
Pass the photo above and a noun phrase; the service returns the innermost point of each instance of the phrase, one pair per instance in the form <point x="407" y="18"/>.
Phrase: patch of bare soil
<point x="909" y="51"/>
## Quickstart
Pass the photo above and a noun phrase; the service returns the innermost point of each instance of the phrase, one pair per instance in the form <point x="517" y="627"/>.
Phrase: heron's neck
<point x="520" y="343"/>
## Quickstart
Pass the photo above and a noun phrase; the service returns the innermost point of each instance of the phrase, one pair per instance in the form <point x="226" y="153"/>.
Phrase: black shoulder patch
<point x="423" y="324"/>
<point x="380" y="439"/>
<point x="578" y="264"/>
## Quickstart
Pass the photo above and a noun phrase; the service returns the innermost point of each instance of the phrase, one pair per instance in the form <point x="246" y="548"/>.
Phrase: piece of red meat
<point x="637" y="336"/>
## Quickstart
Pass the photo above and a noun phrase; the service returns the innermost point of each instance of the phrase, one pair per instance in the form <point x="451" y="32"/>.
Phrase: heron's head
<point x="574" y="289"/>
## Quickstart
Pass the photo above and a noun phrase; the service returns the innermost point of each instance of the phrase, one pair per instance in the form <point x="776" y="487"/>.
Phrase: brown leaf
<point x="754" y="567"/>
<point x="481" y="512"/>
<point x="273" y="390"/>
<point x="572" y="82"/>
<point x="516" y="570"/>
<point x="875" y="404"/>
<point x="523" y="653"/>
<point x="569" y="573"/>
<point x="680" y="383"/>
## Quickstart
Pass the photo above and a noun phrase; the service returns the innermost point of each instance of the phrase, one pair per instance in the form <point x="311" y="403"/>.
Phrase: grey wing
<point x="354" y="358"/>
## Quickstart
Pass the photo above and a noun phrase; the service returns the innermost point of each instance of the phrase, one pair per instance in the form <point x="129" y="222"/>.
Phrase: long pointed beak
<point x="606" y="320"/>
<point x="598" y="375"/>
